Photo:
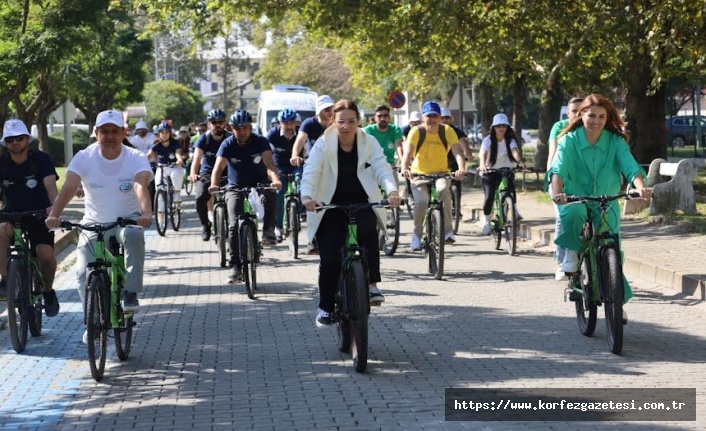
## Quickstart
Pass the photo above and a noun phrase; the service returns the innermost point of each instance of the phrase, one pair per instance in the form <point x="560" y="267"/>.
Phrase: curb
<point x="675" y="280"/>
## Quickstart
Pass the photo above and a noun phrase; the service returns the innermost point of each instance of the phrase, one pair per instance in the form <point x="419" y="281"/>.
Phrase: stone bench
<point x="672" y="186"/>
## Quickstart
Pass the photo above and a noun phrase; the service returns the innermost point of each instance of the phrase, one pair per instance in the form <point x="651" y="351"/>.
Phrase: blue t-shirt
<point x="312" y="128"/>
<point x="210" y="147"/>
<point x="166" y="155"/>
<point x="23" y="184"/>
<point x="282" y="149"/>
<point x="245" y="165"/>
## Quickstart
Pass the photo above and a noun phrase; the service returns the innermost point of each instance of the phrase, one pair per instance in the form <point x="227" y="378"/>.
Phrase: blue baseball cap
<point x="430" y="107"/>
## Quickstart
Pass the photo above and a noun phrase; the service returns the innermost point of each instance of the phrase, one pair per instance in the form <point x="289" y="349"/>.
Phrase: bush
<point x="55" y="147"/>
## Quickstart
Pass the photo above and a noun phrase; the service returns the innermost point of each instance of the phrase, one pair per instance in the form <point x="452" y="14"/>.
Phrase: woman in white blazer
<point x="345" y="166"/>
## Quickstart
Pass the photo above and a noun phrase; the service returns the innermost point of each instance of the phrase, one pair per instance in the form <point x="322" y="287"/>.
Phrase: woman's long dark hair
<point x="509" y="136"/>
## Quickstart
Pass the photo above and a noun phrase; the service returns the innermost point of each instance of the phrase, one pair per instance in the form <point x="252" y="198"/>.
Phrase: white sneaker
<point x="323" y="319"/>
<point x="571" y="261"/>
<point x="416" y="244"/>
<point x="486" y="228"/>
<point x="560" y="275"/>
<point x="449" y="236"/>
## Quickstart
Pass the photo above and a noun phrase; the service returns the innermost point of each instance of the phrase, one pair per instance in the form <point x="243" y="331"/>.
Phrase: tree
<point x="167" y="100"/>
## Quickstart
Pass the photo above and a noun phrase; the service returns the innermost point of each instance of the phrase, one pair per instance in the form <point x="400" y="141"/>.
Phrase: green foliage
<point x="169" y="100"/>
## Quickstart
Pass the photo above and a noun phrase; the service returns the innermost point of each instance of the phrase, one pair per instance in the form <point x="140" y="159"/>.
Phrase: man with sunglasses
<point x="28" y="181"/>
<point x="388" y="135"/>
<point x="204" y="159"/>
<point x="309" y="131"/>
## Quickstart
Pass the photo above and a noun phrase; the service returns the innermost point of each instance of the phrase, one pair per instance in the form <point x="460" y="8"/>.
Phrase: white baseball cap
<point x="110" y="117"/>
<point x="445" y="112"/>
<point x="141" y="125"/>
<point x="323" y="102"/>
<point x="415" y="116"/>
<point x="499" y="119"/>
<point x="13" y="128"/>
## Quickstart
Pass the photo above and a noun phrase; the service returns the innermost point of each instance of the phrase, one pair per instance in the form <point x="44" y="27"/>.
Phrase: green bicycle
<point x="102" y="299"/>
<point x="24" y="284"/>
<point x="352" y="301"/>
<point x="503" y="220"/>
<point x="601" y="281"/>
<point x="433" y="234"/>
<point x="291" y="223"/>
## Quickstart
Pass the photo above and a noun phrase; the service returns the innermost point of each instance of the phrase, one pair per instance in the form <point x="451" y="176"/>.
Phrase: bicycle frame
<point x="115" y="266"/>
<point x="500" y="192"/>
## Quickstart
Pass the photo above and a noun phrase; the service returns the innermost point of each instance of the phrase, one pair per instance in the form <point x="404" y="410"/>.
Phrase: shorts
<point x="37" y="232"/>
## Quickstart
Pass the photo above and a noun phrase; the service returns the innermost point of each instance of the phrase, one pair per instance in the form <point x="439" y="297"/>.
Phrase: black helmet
<point x="164" y="126"/>
<point x="240" y="118"/>
<point x="215" y="114"/>
<point x="287" y="115"/>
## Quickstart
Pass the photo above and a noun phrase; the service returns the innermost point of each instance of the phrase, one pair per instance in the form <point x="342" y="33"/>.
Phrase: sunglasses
<point x="11" y="139"/>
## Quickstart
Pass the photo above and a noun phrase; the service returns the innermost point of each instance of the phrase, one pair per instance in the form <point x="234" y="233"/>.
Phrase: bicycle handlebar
<point x="99" y="227"/>
<point x="604" y="198"/>
<point x="354" y="207"/>
<point x="432" y="176"/>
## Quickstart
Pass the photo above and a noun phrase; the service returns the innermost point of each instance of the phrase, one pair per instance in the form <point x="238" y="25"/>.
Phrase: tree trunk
<point x="488" y="106"/>
<point x="550" y="106"/>
<point x="645" y="113"/>
<point x="42" y="133"/>
<point x="519" y="93"/>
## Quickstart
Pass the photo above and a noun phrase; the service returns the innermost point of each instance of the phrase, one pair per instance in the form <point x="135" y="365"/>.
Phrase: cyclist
<point x="116" y="180"/>
<point x="248" y="157"/>
<point x="143" y="138"/>
<point x="168" y="152"/>
<point x="498" y="150"/>
<point x="591" y="157"/>
<point x="204" y="158"/>
<point x="572" y="111"/>
<point x="282" y="137"/>
<point x="388" y="135"/>
<point x="347" y="166"/>
<point x="28" y="181"/>
<point x="429" y="156"/>
<point x="448" y="119"/>
<point x="415" y="119"/>
<point x="309" y="131"/>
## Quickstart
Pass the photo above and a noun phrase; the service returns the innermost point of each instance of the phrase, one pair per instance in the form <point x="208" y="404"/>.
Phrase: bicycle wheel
<point x="174" y="213"/>
<point x="36" y="308"/>
<point x="294" y="227"/>
<point x="435" y="246"/>
<point x="188" y="186"/>
<point x="221" y="233"/>
<point x="586" y="307"/>
<point x="455" y="205"/>
<point x="359" y="300"/>
<point x="496" y="232"/>
<point x="510" y="230"/>
<point x="409" y="200"/>
<point x="17" y="300"/>
<point x="392" y="227"/>
<point x="95" y="324"/>
<point x="160" y="211"/>
<point x="613" y="294"/>
<point x="248" y="257"/>
<point x="123" y="336"/>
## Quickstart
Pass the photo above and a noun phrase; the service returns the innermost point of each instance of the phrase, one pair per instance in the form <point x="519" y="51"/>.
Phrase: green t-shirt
<point x="557" y="128"/>
<point x="387" y="140"/>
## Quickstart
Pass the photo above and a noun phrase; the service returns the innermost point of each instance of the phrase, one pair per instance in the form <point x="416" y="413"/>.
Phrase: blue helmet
<point x="164" y="126"/>
<point x="287" y="115"/>
<point x="215" y="114"/>
<point x="240" y="118"/>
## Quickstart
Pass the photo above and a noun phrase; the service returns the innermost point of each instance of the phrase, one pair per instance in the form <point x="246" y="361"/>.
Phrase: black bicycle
<point x="24" y="283"/>
<point x="220" y="225"/>
<point x="352" y="300"/>
<point x="504" y="221"/>
<point x="456" y="204"/>
<point x="164" y="203"/>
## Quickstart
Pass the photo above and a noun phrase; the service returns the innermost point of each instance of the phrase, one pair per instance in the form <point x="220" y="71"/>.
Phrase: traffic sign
<point x="397" y="99"/>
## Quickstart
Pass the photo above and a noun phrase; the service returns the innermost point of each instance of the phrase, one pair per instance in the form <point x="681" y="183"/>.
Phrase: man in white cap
<point x="143" y="139"/>
<point x="115" y="180"/>
<point x="309" y="131"/>
<point x="415" y="119"/>
<point x="28" y="181"/>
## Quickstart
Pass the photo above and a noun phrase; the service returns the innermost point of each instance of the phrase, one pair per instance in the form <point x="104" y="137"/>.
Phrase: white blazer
<point x="321" y="173"/>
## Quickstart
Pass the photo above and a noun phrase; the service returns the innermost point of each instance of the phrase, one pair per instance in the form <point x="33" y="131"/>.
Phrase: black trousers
<point x="234" y="203"/>
<point x="331" y="237"/>
<point x="203" y="195"/>
<point x="491" y="181"/>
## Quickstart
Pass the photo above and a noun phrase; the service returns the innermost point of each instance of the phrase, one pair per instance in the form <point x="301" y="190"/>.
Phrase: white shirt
<point x="502" y="160"/>
<point x="109" y="184"/>
<point x="144" y="144"/>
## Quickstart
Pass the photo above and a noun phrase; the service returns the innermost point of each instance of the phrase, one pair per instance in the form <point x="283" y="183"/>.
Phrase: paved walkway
<point x="656" y="253"/>
<point x="207" y="358"/>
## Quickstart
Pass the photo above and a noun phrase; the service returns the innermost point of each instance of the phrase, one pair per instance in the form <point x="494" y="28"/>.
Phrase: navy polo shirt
<point x="245" y="165"/>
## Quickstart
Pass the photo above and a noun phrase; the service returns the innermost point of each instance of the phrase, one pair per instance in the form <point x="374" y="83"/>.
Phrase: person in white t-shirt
<point x="115" y="180"/>
<point x="143" y="139"/>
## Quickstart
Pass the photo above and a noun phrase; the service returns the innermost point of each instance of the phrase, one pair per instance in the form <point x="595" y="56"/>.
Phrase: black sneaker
<point x="323" y="318"/>
<point x="236" y="276"/>
<point x="3" y="289"/>
<point x="269" y="240"/>
<point x="375" y="296"/>
<point x="51" y="303"/>
<point x="130" y="302"/>
<point x="206" y="232"/>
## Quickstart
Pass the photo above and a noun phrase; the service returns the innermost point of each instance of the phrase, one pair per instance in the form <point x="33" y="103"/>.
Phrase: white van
<point x="296" y="97"/>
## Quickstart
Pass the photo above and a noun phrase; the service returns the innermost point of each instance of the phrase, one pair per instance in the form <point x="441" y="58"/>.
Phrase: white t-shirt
<point x="144" y="144"/>
<point x="109" y="184"/>
<point x="502" y="160"/>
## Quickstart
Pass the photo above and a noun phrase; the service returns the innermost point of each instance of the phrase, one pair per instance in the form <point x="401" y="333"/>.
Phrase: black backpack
<point x="421" y="129"/>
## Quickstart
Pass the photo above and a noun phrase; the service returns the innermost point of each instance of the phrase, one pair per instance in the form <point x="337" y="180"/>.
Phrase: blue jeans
<point x="297" y="171"/>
